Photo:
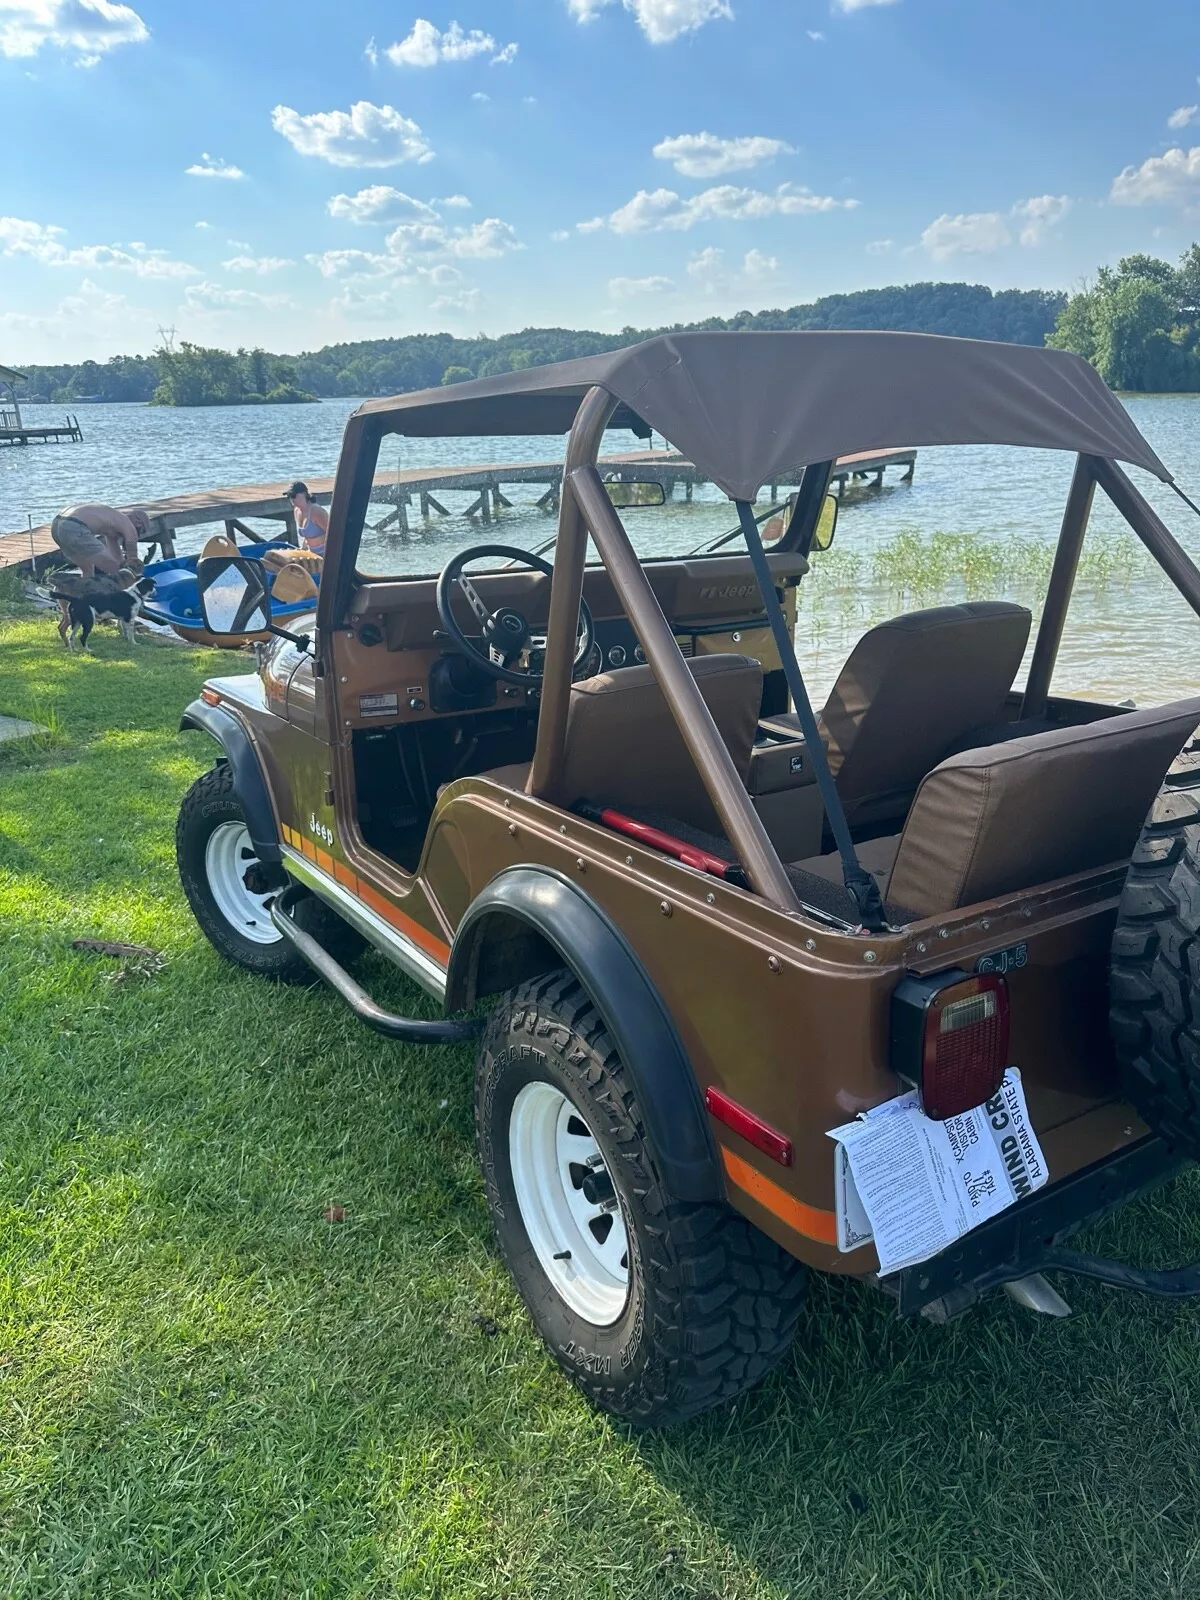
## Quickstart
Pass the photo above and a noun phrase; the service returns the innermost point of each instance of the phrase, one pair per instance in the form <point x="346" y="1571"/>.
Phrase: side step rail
<point x="409" y="1030"/>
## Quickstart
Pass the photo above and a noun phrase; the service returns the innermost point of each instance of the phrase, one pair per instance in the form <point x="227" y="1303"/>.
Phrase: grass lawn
<point x="208" y="1388"/>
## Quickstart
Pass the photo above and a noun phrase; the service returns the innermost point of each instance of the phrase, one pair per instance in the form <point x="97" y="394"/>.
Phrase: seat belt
<point x="860" y="885"/>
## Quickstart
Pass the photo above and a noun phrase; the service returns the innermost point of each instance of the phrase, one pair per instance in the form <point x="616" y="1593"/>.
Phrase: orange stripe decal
<point x="429" y="942"/>
<point x="808" y="1220"/>
<point x="433" y="946"/>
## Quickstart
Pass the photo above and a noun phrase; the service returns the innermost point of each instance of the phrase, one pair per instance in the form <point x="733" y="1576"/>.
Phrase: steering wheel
<point x="507" y="636"/>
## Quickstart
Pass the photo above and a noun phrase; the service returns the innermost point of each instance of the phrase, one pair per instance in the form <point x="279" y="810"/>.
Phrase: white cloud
<point x="660" y="20"/>
<point x="89" y="317"/>
<point x="971" y="233"/>
<point x="464" y="300"/>
<point x="704" y="155"/>
<point x="758" y="265"/>
<point x="43" y="242"/>
<point x="560" y="234"/>
<point x="879" y="247"/>
<point x="422" y="249"/>
<point x="83" y="28"/>
<point x="1038" y="215"/>
<point x="457" y="202"/>
<point x="378" y="203"/>
<point x="216" y="297"/>
<point x="240" y="245"/>
<point x="480" y="98"/>
<point x="426" y="45"/>
<point x="365" y="136"/>
<point x="259" y="264"/>
<point x="505" y="57"/>
<point x="1183" y="117"/>
<point x="707" y="267"/>
<point x="1172" y="179"/>
<point x="353" y="264"/>
<point x="370" y="52"/>
<point x="977" y="233"/>
<point x="482" y="241"/>
<point x="204" y="225"/>
<point x="365" y="306"/>
<point x="210" y="166"/>
<point x="632" y="288"/>
<point x="815" y="35"/>
<point x="657" y="210"/>
<point x="860" y="5"/>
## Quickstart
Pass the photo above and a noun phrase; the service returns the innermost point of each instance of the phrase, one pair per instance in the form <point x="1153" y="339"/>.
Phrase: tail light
<point x="950" y="1039"/>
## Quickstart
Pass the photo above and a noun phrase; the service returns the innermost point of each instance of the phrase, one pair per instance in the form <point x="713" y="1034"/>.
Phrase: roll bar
<point x="741" y="822"/>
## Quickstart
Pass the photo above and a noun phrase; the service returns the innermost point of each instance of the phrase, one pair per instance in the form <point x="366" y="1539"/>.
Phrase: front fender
<point x="249" y="783"/>
<point x="570" y="929"/>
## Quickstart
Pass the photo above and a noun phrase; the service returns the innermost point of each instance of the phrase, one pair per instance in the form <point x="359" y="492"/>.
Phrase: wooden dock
<point x="420" y="487"/>
<point x="14" y="431"/>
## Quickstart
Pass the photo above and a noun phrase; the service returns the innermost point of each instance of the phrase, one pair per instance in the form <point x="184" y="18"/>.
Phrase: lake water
<point x="1129" y="635"/>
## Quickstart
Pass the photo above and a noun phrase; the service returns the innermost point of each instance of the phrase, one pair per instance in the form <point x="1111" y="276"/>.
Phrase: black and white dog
<point x="85" y="601"/>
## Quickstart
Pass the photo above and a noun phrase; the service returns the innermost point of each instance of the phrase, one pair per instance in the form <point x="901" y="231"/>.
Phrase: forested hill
<point x="418" y="361"/>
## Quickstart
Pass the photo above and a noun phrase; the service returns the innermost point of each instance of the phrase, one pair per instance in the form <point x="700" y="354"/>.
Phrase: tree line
<point x="1138" y="324"/>
<point x="189" y="374"/>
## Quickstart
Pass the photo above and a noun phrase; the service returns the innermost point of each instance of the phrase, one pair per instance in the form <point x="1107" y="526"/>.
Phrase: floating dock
<point x="419" y="487"/>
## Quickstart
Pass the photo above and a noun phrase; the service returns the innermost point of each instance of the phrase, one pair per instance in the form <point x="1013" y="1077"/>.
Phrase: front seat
<point x="624" y="748"/>
<point x="911" y="689"/>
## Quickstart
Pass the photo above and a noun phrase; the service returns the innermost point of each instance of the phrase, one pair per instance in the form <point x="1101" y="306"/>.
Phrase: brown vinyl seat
<point x="1011" y="816"/>
<point x="624" y="748"/>
<point x="911" y="688"/>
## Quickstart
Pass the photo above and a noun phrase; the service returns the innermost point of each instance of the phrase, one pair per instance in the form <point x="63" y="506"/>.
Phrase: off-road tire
<point x="208" y="804"/>
<point x="712" y="1302"/>
<point x="1154" y="987"/>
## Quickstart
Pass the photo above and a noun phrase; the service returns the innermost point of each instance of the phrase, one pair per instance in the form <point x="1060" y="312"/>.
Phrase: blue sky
<point x="292" y="174"/>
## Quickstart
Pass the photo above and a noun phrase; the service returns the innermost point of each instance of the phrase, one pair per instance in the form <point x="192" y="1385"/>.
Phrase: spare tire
<point x="1154" y="989"/>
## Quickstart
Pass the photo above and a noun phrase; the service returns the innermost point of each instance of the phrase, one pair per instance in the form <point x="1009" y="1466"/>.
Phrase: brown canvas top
<point x="748" y="408"/>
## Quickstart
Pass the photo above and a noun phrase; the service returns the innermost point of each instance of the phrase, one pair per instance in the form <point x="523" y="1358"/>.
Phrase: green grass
<point x="208" y="1389"/>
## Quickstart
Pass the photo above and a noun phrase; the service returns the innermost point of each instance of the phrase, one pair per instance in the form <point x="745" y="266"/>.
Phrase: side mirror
<point x="635" y="495"/>
<point x="826" y="523"/>
<point x="233" y="594"/>
<point x="776" y="526"/>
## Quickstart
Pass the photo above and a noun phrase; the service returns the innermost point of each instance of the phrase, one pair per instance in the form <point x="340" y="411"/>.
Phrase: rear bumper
<point x="1024" y="1239"/>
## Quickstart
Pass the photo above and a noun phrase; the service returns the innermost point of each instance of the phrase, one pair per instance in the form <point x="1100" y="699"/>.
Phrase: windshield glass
<point x="444" y="480"/>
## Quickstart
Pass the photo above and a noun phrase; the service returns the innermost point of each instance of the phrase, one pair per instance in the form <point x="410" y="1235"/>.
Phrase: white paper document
<point x="915" y="1185"/>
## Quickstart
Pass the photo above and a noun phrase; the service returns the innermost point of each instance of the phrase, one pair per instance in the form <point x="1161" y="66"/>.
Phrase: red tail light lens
<point x="950" y="1038"/>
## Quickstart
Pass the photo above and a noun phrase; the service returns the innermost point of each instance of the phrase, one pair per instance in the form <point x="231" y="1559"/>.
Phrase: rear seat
<point x="1007" y="817"/>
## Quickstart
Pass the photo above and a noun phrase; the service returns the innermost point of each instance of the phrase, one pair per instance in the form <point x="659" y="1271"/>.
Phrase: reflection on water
<point x="1129" y="635"/>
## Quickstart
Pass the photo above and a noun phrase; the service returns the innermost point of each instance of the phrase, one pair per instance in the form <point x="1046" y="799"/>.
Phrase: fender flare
<point x="586" y="940"/>
<point x="249" y="783"/>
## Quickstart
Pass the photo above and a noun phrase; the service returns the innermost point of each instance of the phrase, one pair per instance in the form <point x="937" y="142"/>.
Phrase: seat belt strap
<point x="860" y="885"/>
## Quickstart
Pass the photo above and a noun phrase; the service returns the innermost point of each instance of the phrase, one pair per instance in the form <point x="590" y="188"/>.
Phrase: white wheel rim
<point x="228" y="856"/>
<point x="577" y="1232"/>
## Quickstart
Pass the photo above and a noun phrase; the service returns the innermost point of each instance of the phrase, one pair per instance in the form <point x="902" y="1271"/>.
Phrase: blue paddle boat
<point x="176" y="598"/>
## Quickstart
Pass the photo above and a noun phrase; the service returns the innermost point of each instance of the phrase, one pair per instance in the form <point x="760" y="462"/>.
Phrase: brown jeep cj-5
<point x="709" y="925"/>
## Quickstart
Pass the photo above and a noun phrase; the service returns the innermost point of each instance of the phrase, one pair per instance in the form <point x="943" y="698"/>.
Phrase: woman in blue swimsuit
<point x="312" y="523"/>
